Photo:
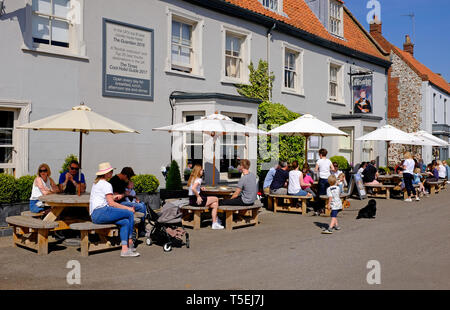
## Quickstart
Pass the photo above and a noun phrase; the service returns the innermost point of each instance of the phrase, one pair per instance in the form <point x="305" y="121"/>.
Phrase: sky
<point x="432" y="28"/>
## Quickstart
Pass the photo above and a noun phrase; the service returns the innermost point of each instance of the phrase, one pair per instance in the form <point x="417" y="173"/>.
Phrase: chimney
<point x="375" y="26"/>
<point x="408" y="46"/>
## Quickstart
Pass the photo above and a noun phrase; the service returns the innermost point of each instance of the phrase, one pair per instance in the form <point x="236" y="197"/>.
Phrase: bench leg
<point x="432" y="190"/>
<point x="84" y="243"/>
<point x="388" y="193"/>
<point x="255" y="216"/>
<point x="304" y="207"/>
<point x="229" y="220"/>
<point x="42" y="241"/>
<point x="197" y="219"/>
<point x="275" y="205"/>
<point x="270" y="203"/>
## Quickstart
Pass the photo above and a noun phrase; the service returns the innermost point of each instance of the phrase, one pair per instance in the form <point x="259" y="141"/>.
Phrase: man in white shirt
<point x="324" y="167"/>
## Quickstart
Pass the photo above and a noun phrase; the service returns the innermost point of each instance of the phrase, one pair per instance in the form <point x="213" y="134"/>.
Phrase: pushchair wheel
<point x="167" y="247"/>
<point x="148" y="241"/>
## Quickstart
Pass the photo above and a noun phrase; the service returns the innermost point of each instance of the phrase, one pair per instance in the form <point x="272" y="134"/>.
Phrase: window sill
<point x="49" y="51"/>
<point x="340" y="103"/>
<point x="293" y="92"/>
<point x="191" y="75"/>
<point x="225" y="80"/>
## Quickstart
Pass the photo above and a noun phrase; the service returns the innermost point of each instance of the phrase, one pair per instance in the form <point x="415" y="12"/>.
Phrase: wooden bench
<point x="380" y="190"/>
<point x="405" y="192"/>
<point x="292" y="207"/>
<point x="436" y="186"/>
<point x="103" y="236"/>
<point x="31" y="232"/>
<point x="32" y="214"/>
<point x="237" y="216"/>
<point x="343" y="197"/>
<point x="192" y="216"/>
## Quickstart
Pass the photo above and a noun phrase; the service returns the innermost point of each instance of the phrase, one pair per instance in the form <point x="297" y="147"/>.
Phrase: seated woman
<point x="43" y="185"/>
<point x="296" y="182"/>
<point x="198" y="199"/>
<point x="104" y="210"/>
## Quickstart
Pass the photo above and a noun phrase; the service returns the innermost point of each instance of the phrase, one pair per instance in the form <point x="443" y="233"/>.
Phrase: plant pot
<point x="150" y="199"/>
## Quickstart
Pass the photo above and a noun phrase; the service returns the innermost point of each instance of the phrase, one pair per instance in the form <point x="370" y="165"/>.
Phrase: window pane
<point x="6" y="136"/>
<point x="40" y="27"/>
<point x="43" y="6"/>
<point x="61" y="8"/>
<point x="186" y="34"/>
<point x="6" y="155"/>
<point x="185" y="56"/>
<point x="194" y="152"/>
<point x="176" y="31"/>
<point x="6" y="119"/>
<point x="175" y="53"/>
<point x="60" y="31"/>
<point x="228" y="43"/>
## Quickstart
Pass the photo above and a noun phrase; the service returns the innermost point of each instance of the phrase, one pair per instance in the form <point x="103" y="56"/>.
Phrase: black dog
<point x="368" y="211"/>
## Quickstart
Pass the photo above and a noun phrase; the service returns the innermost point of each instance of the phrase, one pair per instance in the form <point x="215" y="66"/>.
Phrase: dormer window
<point x="336" y="18"/>
<point x="273" y="5"/>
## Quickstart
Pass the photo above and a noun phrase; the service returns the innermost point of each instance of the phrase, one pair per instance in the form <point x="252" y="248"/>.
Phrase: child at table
<point x="417" y="180"/>
<point x="341" y="182"/>
<point x="130" y="194"/>
<point x="307" y="179"/>
<point x="335" y="203"/>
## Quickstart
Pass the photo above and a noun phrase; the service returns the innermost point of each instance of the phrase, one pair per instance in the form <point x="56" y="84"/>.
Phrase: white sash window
<point x="50" y="24"/>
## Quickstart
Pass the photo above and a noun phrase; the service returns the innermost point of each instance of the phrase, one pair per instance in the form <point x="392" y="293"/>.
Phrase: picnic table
<point x="59" y="202"/>
<point x="219" y="191"/>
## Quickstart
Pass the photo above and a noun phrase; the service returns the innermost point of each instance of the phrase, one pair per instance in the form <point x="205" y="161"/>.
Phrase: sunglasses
<point x="43" y="170"/>
<point x="74" y="168"/>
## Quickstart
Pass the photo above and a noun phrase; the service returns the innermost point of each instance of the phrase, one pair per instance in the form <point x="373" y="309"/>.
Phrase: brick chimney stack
<point x="408" y="46"/>
<point x="375" y="26"/>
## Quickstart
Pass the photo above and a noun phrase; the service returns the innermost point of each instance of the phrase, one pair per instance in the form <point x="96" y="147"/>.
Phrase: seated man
<point x="247" y="188"/>
<point x="69" y="180"/>
<point x="279" y="182"/>
<point x="119" y="184"/>
<point x="269" y="178"/>
<point x="370" y="174"/>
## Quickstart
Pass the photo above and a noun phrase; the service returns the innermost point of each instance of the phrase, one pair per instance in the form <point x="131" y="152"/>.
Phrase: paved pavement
<point x="285" y="252"/>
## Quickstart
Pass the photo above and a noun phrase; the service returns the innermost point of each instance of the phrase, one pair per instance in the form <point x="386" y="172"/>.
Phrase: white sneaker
<point x="216" y="225"/>
<point x="129" y="253"/>
<point x="408" y="199"/>
<point x="417" y="199"/>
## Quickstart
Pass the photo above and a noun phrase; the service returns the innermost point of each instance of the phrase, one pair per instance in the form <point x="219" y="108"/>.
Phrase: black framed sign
<point x="356" y="183"/>
<point x="128" y="56"/>
<point x="362" y="94"/>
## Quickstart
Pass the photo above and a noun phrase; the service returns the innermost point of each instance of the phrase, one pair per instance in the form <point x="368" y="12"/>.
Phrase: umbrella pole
<point x="214" y="163"/>
<point x="387" y="154"/>
<point x="79" y="171"/>
<point x="306" y="148"/>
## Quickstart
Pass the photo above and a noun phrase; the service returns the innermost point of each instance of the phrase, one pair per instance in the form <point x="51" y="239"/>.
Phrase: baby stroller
<point x="167" y="229"/>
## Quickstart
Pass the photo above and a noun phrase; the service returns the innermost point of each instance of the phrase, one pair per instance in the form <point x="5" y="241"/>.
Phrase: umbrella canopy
<point x="307" y="125"/>
<point x="427" y="136"/>
<point x="80" y="119"/>
<point x="390" y="134"/>
<point x="422" y="141"/>
<point x="213" y="125"/>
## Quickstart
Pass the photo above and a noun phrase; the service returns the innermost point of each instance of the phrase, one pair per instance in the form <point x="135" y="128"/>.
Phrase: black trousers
<point x="408" y="178"/>
<point x="233" y="202"/>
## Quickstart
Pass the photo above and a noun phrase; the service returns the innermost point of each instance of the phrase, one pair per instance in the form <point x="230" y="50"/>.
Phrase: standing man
<point x="69" y="180"/>
<point x="247" y="188"/>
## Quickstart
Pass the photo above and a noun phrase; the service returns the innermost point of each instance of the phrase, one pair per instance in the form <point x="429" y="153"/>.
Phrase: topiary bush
<point x="24" y="185"/>
<point x="342" y="162"/>
<point x="145" y="183"/>
<point x="7" y="188"/>
<point x="448" y="161"/>
<point x="173" y="181"/>
<point x="67" y="161"/>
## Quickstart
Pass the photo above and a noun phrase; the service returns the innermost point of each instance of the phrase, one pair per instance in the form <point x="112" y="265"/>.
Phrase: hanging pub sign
<point x="127" y="60"/>
<point x="362" y="94"/>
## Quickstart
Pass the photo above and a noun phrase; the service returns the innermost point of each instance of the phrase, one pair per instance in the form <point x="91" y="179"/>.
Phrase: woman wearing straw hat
<point x="104" y="210"/>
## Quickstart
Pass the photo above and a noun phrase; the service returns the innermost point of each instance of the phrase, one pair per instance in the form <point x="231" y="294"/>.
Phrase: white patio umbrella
<point x="390" y="134"/>
<point x="307" y="125"/>
<point x="79" y="119"/>
<point x="427" y="136"/>
<point x="213" y="125"/>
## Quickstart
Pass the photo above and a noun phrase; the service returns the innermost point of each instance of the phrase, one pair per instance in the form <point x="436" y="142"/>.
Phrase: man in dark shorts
<point x="247" y="188"/>
<point x="279" y="185"/>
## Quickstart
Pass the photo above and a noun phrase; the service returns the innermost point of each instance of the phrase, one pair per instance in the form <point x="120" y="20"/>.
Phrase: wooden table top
<point x="63" y="199"/>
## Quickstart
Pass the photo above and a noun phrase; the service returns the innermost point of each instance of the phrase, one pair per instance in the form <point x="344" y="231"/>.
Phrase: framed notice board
<point x="356" y="185"/>
<point x="128" y="56"/>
